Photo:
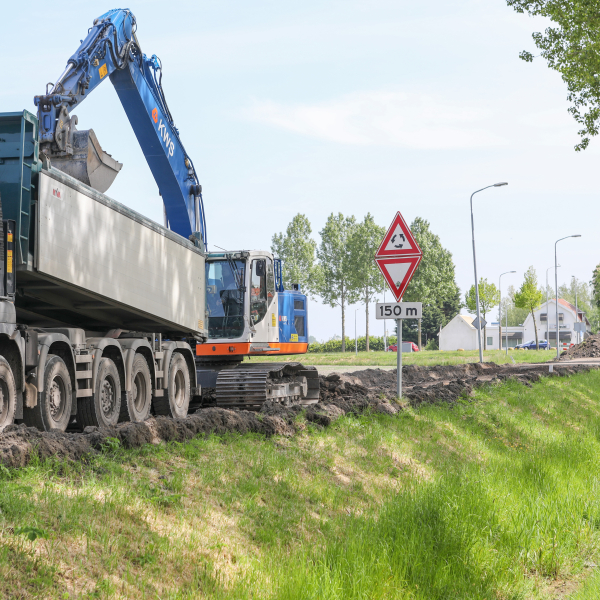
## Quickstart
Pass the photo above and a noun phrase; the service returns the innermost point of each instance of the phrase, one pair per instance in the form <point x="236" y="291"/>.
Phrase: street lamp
<point x="547" y="307"/>
<point x="500" y="314"/>
<point x="556" y="287"/>
<point x="576" y="310"/>
<point x="355" y="336"/>
<point x="475" y="264"/>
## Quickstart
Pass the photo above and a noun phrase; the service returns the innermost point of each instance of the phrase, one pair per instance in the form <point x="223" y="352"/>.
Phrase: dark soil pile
<point x="589" y="348"/>
<point x="371" y="389"/>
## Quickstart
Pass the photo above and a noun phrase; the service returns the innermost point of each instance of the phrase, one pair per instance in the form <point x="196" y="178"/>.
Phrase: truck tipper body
<point x="93" y="285"/>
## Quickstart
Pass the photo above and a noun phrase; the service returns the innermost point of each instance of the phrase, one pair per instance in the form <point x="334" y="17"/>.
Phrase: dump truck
<point x="106" y="315"/>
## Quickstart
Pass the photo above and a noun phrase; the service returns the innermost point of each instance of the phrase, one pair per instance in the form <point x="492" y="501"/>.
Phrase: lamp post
<point x="547" y="309"/>
<point x="355" y="336"/>
<point x="475" y="265"/>
<point x="500" y="314"/>
<point x="576" y="310"/>
<point x="384" y="328"/>
<point x="556" y="288"/>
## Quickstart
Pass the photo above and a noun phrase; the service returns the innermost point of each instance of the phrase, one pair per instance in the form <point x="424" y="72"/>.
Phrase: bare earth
<point x="341" y="393"/>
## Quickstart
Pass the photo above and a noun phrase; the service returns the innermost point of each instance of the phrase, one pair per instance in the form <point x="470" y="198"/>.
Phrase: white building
<point x="460" y="333"/>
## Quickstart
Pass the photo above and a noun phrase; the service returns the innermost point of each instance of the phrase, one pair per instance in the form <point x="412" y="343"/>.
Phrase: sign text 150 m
<point x="399" y="310"/>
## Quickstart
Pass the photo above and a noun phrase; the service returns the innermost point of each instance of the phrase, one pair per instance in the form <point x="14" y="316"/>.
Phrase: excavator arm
<point x="111" y="50"/>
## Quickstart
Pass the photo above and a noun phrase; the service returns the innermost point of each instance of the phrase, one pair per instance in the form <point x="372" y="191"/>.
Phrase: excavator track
<point x="250" y="386"/>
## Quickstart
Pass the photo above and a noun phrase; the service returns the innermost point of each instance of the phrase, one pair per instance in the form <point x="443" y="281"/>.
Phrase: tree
<point x="297" y="251"/>
<point x="530" y="297"/>
<point x="365" y="277"/>
<point x="515" y="316"/>
<point x="335" y="284"/>
<point x="433" y="282"/>
<point x="595" y="283"/>
<point x="571" y="47"/>
<point x="489" y="296"/>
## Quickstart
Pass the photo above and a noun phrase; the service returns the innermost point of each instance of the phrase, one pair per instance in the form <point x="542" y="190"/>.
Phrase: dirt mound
<point x="341" y="394"/>
<point x="589" y="348"/>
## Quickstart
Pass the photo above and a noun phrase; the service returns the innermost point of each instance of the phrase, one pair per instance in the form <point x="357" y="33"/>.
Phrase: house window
<point x="490" y="341"/>
<point x="561" y="316"/>
<point x="543" y="317"/>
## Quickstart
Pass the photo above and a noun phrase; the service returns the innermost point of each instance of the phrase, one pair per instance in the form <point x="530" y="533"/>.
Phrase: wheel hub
<point x="55" y="399"/>
<point x="139" y="391"/>
<point x="179" y="388"/>
<point x="107" y="397"/>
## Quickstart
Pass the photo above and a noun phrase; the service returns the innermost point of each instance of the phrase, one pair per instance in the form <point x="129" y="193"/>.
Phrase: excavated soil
<point x="355" y="393"/>
<point x="589" y="348"/>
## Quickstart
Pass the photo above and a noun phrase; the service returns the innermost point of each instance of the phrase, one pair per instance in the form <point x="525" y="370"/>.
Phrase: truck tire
<point x="136" y="406"/>
<point x="176" y="401"/>
<point x="53" y="409"/>
<point x="8" y="394"/>
<point x="103" y="408"/>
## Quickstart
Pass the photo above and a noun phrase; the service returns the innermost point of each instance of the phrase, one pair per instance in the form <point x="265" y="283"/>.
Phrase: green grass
<point x="425" y="357"/>
<point x="494" y="498"/>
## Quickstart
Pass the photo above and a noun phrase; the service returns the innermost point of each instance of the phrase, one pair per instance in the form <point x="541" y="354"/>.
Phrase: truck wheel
<point x="176" y="401"/>
<point x="53" y="409"/>
<point x="8" y="394"/>
<point x="103" y="408"/>
<point x="137" y="408"/>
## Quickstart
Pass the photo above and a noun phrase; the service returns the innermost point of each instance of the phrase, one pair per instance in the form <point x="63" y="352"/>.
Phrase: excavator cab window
<point x="258" y="291"/>
<point x="224" y="299"/>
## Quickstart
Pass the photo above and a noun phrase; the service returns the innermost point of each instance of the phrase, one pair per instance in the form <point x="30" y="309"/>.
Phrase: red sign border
<point x="415" y="250"/>
<point x="383" y="260"/>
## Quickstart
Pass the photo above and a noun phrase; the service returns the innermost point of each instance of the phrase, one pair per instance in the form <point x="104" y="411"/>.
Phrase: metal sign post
<point x="398" y="257"/>
<point x="399" y="358"/>
<point x="399" y="311"/>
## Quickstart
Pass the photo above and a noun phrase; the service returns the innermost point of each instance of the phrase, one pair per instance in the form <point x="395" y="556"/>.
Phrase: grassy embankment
<point x="497" y="498"/>
<point x="425" y="357"/>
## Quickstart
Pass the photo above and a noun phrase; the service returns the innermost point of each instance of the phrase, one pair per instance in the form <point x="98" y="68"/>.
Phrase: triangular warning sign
<point x="398" y="240"/>
<point x="398" y="272"/>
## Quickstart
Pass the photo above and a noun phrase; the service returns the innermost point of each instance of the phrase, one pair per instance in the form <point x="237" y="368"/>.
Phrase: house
<point x="545" y="319"/>
<point x="460" y="333"/>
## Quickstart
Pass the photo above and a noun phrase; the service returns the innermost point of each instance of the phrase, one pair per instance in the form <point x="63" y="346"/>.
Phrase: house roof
<point x="571" y="307"/>
<point x="468" y="320"/>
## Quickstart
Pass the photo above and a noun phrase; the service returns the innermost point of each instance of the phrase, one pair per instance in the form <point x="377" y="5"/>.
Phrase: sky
<point x="349" y="106"/>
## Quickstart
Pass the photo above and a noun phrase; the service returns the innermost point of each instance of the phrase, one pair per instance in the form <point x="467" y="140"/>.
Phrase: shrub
<point x="375" y="343"/>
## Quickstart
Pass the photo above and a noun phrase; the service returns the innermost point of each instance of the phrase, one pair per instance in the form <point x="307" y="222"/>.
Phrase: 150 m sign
<point x="399" y="310"/>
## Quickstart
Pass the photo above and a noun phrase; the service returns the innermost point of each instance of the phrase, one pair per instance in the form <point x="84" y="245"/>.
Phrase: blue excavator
<point x="111" y="50"/>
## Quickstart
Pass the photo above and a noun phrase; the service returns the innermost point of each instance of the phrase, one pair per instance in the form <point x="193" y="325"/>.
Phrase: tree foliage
<point x="515" y="316"/>
<point x="571" y="46"/>
<point x="433" y="284"/>
<point x="365" y="277"/>
<point x="530" y="297"/>
<point x="489" y="296"/>
<point x="335" y="284"/>
<point x="297" y="250"/>
<point x="595" y="283"/>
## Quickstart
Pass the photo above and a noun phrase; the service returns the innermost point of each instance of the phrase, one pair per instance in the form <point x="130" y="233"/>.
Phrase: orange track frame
<point x="243" y="349"/>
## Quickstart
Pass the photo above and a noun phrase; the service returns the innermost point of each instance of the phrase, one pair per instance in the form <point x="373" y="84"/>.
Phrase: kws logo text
<point x="163" y="132"/>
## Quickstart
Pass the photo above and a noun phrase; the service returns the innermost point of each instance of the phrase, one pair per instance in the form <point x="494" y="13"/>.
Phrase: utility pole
<point x="548" y="309"/>
<point x="500" y="313"/>
<point x="556" y="289"/>
<point x="475" y="266"/>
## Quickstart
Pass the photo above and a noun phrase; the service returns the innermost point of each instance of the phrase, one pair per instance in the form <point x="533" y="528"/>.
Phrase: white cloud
<point x="385" y="118"/>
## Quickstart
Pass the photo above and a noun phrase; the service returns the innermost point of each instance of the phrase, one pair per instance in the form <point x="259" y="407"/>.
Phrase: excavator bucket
<point x="89" y="163"/>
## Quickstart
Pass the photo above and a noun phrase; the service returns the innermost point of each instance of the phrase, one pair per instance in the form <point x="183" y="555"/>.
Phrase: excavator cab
<point x="250" y="314"/>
